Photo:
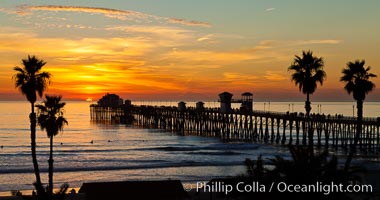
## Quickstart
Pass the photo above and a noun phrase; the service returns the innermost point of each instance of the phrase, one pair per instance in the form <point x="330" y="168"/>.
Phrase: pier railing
<point x="258" y="126"/>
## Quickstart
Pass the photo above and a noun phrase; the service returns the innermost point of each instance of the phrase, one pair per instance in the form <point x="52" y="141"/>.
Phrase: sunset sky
<point x="186" y="49"/>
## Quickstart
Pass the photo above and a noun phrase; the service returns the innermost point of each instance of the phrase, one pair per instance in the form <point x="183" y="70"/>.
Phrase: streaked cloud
<point x="207" y="57"/>
<point x="148" y="57"/>
<point x="209" y="38"/>
<point x="205" y="38"/>
<point x="137" y="63"/>
<point x="169" y="35"/>
<point x="188" y="23"/>
<point x="270" y="9"/>
<point x="306" y="42"/>
<point x="276" y="44"/>
<point x="112" y="13"/>
<point x="275" y="75"/>
<point x="213" y="38"/>
<point x="107" y="12"/>
<point x="239" y="77"/>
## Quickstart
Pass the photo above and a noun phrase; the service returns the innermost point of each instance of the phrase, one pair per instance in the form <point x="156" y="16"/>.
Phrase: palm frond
<point x="357" y="79"/>
<point x="307" y="71"/>
<point x="319" y="76"/>
<point x="29" y="80"/>
<point x="50" y="115"/>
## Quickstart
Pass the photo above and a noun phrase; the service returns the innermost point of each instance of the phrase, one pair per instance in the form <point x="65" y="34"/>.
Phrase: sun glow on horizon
<point x="91" y="51"/>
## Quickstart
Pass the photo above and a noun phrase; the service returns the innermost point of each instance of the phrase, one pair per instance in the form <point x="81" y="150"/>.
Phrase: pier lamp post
<point x="318" y="108"/>
<point x="292" y="107"/>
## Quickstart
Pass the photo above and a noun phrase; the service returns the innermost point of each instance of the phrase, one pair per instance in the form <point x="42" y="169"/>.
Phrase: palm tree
<point x="50" y="118"/>
<point x="307" y="71"/>
<point x="357" y="81"/>
<point x="30" y="80"/>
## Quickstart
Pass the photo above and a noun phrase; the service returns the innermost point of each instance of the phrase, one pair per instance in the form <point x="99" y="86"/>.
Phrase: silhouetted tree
<point x="30" y="80"/>
<point x="307" y="71"/>
<point x="256" y="169"/>
<point x="50" y="118"/>
<point x="61" y="194"/>
<point x="314" y="167"/>
<point x="357" y="81"/>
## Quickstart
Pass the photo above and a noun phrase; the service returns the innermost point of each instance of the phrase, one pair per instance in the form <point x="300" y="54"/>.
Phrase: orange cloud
<point x="275" y="76"/>
<point x="134" y="65"/>
<point x="140" y="61"/>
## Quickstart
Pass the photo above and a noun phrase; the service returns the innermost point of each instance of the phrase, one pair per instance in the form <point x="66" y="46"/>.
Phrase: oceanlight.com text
<point x="282" y="187"/>
<point x="324" y="188"/>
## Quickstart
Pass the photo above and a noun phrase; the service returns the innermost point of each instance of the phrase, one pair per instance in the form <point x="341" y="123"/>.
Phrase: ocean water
<point x="120" y="152"/>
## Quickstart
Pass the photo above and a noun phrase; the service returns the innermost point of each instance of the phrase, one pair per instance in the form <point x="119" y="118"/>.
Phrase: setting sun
<point x="189" y="99"/>
<point x="150" y="54"/>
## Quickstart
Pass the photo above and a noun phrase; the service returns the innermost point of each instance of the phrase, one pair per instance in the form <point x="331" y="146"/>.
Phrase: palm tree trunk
<point x="359" y="104"/>
<point x="33" y="122"/>
<point x="51" y="167"/>
<point x="307" y="105"/>
<point x="360" y="121"/>
<point x="310" y="130"/>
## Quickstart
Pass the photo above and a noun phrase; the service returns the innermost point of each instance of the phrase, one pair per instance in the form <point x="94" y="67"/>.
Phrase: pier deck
<point x="256" y="126"/>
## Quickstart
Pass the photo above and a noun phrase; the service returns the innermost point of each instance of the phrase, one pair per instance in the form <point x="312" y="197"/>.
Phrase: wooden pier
<point x="253" y="126"/>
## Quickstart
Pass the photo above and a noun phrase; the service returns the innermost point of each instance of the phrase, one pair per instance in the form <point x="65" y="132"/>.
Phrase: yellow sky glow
<point x="145" y="56"/>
